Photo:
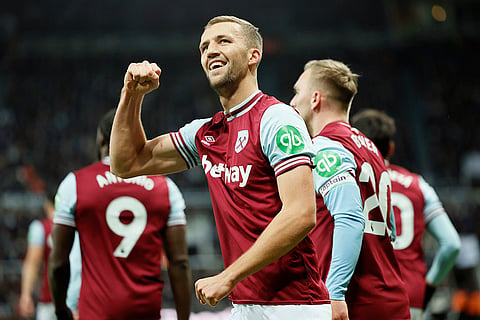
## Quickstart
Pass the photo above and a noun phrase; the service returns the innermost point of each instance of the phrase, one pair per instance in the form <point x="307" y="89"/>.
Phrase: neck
<point x="231" y="97"/>
<point x="325" y="117"/>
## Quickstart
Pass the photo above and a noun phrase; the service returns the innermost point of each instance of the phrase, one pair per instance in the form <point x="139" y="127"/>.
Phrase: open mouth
<point x="216" y="65"/>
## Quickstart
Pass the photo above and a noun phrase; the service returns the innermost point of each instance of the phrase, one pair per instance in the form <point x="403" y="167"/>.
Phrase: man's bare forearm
<point x="128" y="137"/>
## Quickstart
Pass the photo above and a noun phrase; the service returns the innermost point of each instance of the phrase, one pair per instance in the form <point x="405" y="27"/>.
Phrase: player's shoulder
<point x="402" y="170"/>
<point x="159" y="178"/>
<point x="96" y="166"/>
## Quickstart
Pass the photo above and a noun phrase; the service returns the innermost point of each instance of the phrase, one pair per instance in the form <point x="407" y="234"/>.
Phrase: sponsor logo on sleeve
<point x="327" y="163"/>
<point x="289" y="140"/>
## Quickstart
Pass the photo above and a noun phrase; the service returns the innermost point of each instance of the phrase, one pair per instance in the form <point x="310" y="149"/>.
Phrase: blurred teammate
<point x="123" y="226"/>
<point x="353" y="188"/>
<point x="39" y="243"/>
<point x="256" y="157"/>
<point x="417" y="209"/>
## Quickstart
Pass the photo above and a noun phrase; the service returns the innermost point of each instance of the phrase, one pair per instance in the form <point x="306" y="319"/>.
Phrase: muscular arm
<point x="131" y="154"/>
<point x="293" y="222"/>
<point x="31" y="267"/>
<point x="179" y="270"/>
<point x="59" y="265"/>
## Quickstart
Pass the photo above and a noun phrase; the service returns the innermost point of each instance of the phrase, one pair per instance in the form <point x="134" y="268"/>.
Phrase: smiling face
<point x="224" y="55"/>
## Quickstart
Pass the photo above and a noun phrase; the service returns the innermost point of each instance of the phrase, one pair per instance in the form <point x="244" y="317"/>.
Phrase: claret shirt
<point x="120" y="224"/>
<point x="40" y="234"/>
<point x="376" y="289"/>
<point x="415" y="204"/>
<point x="242" y="153"/>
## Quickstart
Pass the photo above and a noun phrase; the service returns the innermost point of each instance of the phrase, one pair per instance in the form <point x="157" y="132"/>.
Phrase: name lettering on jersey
<point x="109" y="178"/>
<point x="289" y="140"/>
<point x="362" y="141"/>
<point x="242" y="139"/>
<point x="340" y="179"/>
<point x="327" y="163"/>
<point x="228" y="174"/>
<point x="404" y="180"/>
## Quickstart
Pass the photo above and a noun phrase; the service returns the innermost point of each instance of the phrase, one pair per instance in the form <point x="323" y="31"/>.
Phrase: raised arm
<point x="293" y="222"/>
<point x="130" y="152"/>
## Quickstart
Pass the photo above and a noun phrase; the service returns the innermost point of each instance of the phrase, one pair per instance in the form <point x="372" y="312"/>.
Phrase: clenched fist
<point x="141" y="78"/>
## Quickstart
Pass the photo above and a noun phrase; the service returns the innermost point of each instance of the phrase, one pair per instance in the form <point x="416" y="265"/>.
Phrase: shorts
<point x="281" y="312"/>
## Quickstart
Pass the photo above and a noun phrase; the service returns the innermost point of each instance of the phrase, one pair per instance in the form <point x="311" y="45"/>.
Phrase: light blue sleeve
<point x="334" y="180"/>
<point x="36" y="234"/>
<point x="442" y="229"/>
<point x="177" y="205"/>
<point x="73" y="292"/>
<point x="433" y="206"/>
<point x="184" y="141"/>
<point x="345" y="204"/>
<point x="331" y="159"/>
<point x="65" y="201"/>
<point x="393" y="235"/>
<point x="283" y="134"/>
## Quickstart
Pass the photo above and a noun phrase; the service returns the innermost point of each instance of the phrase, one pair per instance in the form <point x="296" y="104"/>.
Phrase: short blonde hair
<point x="335" y="78"/>
<point x="253" y="38"/>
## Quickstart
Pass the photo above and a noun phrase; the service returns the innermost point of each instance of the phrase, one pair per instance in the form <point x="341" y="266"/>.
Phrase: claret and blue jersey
<point x="242" y="153"/>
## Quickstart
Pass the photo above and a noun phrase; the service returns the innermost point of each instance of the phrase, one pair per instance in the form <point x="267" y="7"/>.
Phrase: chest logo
<point x="242" y="140"/>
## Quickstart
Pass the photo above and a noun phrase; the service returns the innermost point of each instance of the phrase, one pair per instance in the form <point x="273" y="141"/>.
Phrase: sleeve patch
<point x="336" y="181"/>
<point x="289" y="140"/>
<point x="327" y="163"/>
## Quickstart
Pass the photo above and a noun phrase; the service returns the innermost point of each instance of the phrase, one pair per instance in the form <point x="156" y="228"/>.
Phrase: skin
<point x="318" y="111"/>
<point x="234" y="81"/>
<point x="30" y="270"/>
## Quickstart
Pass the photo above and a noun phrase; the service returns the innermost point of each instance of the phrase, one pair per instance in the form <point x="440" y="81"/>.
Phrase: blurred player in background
<point x="353" y="200"/>
<point x="123" y="226"/>
<point x="256" y="157"/>
<point x="39" y="243"/>
<point x="417" y="209"/>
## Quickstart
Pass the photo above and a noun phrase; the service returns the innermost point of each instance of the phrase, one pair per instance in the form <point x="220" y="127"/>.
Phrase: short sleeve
<point x="184" y="141"/>
<point x="284" y="138"/>
<point x="433" y="206"/>
<point x="65" y="201"/>
<point x="177" y="205"/>
<point x="36" y="234"/>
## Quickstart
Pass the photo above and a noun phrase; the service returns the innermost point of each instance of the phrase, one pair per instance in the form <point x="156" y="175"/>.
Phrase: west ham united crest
<point x="242" y="140"/>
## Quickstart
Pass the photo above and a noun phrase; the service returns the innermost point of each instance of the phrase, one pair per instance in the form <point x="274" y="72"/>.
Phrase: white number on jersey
<point x="404" y="204"/>
<point x="378" y="199"/>
<point x="130" y="232"/>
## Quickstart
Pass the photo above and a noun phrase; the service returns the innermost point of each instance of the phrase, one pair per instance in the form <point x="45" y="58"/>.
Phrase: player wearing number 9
<point x="354" y="216"/>
<point x="123" y="226"/>
<point x="417" y="209"/>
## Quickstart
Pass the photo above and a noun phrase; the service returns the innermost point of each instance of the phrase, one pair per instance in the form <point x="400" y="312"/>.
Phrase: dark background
<point x="62" y="65"/>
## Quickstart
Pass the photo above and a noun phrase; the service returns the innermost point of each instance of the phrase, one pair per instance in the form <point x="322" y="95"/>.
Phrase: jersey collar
<point x="245" y="106"/>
